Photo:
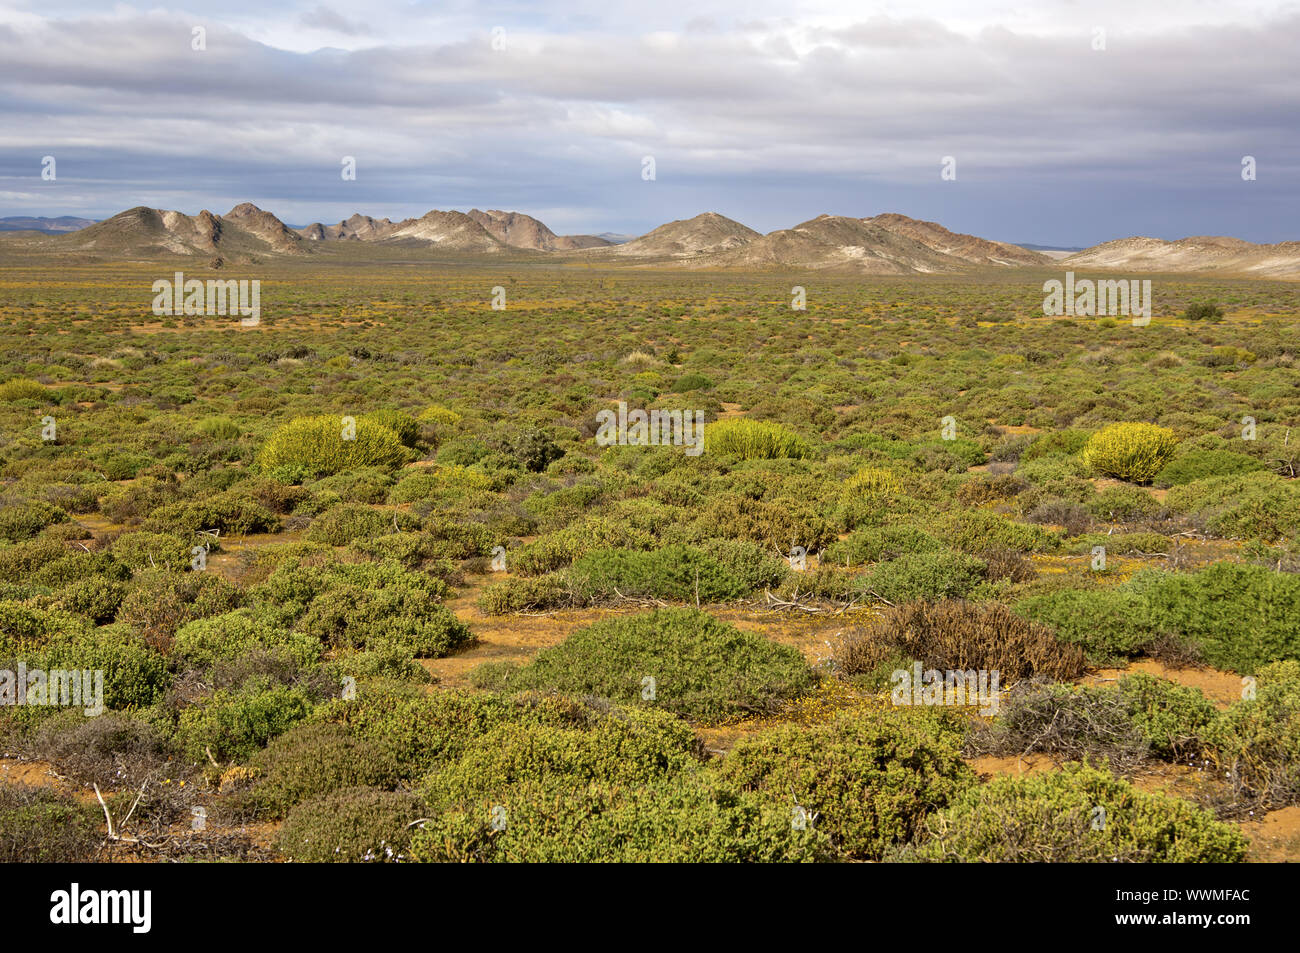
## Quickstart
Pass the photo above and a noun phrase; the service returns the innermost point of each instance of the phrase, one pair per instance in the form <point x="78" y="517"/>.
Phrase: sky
<point x="1058" y="123"/>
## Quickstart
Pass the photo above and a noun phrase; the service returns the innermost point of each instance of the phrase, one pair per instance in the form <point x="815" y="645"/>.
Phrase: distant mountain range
<point x="886" y="244"/>
<point x="26" y="223"/>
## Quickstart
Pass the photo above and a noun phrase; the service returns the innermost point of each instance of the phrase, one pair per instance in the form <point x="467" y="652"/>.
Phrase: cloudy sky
<point x="1069" y="123"/>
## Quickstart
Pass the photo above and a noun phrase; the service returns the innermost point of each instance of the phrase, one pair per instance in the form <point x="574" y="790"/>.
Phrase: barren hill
<point x="523" y="231"/>
<point x="705" y="234"/>
<point x="1202" y="253"/>
<point x="265" y="226"/>
<point x="837" y="243"/>
<point x="150" y="232"/>
<point x="970" y="248"/>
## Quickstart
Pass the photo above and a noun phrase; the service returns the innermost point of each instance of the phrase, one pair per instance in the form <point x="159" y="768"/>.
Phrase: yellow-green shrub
<point x="20" y="388"/>
<point x="1133" y="452"/>
<point x="316" y="444"/>
<point x="754" y="440"/>
<point x="873" y="481"/>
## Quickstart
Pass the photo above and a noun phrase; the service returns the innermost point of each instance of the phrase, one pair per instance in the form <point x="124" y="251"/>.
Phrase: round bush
<point x="354" y="825"/>
<point x="316" y="444"/>
<point x="873" y="779"/>
<point x="754" y="440"/>
<point x="1130" y="451"/>
<point x="317" y="758"/>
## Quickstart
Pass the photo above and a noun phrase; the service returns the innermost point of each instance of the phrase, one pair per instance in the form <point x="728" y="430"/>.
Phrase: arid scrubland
<point x="941" y="578"/>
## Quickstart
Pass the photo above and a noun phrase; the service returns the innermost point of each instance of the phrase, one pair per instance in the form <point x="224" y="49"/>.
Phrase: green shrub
<point x="96" y="597"/>
<point x="1108" y="624"/>
<point x="1202" y="464"/>
<point x="220" y="428"/>
<point x="1130" y="451"/>
<point x="1122" y="504"/>
<point x="352" y="825"/>
<point x="229" y="513"/>
<point x="1256" y="741"/>
<point x="873" y="779"/>
<point x="678" y="572"/>
<point x="1207" y="611"/>
<point x="938" y="575"/>
<point x="1171" y="717"/>
<point x="690" y="382"/>
<point x="23" y="521"/>
<point x="360" y="604"/>
<point x="1260" y="506"/>
<point x="25" y="628"/>
<point x="316" y="758"/>
<point x="135" y="676"/>
<point x="1076" y="815"/>
<point x="1209" y="310"/>
<point x="873" y="543"/>
<point x="978" y="530"/>
<point x="204" y="642"/>
<point x="622" y="747"/>
<point x="232" y="724"/>
<point x="688" y="818"/>
<point x="42" y="826"/>
<point x="144" y="550"/>
<point x="160" y="602"/>
<point x="527" y="594"/>
<point x="1064" y="443"/>
<point x="557" y="550"/>
<point x="354" y="521"/>
<point x="754" y="440"/>
<point x="403" y="425"/>
<point x="422" y="730"/>
<point x="317" y="445"/>
<point x="702" y="668"/>
<point x="19" y="388"/>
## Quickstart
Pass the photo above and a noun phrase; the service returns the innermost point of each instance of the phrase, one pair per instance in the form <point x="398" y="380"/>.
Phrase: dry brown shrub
<point x="958" y="635"/>
<point x="1066" y="722"/>
<point x="1007" y="564"/>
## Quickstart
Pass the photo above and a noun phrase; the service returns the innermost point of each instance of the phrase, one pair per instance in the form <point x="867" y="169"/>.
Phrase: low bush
<point x="317" y="758"/>
<point x="869" y="781"/>
<point x="1256" y="741"/>
<point x="937" y="575"/>
<point x="1108" y="624"/>
<point x="352" y="825"/>
<point x="343" y="524"/>
<point x="232" y="724"/>
<point x="1203" y="464"/>
<point x="204" y="642"/>
<point x="688" y="818"/>
<point x="953" y="635"/>
<point x="631" y="747"/>
<point x="25" y="520"/>
<point x="360" y="604"/>
<point x="874" y="543"/>
<point x="42" y="826"/>
<point x="1076" y="815"/>
<point x="112" y="750"/>
<point x="702" y="668"/>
